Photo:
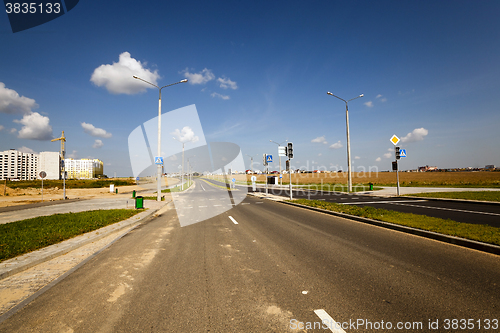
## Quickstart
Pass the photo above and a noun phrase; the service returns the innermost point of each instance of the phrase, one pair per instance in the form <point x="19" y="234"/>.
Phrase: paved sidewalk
<point x="76" y="206"/>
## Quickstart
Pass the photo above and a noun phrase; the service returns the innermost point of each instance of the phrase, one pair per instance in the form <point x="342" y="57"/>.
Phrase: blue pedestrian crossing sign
<point x="269" y="158"/>
<point x="158" y="160"/>
<point x="402" y="153"/>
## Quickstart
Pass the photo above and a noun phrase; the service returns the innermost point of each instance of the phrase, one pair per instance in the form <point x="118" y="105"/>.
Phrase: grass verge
<point x="178" y="188"/>
<point x="477" y="232"/>
<point x="24" y="236"/>
<point x="467" y="195"/>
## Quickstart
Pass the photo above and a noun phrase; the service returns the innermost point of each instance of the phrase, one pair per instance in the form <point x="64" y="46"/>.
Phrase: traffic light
<point x="264" y="161"/>
<point x="398" y="154"/>
<point x="289" y="151"/>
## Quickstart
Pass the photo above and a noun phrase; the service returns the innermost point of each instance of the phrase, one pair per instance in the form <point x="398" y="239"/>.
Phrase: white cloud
<point x="199" y="78"/>
<point x="26" y="150"/>
<point x="12" y="103"/>
<point x="378" y="96"/>
<point x="369" y="104"/>
<point x="224" y="97"/>
<point x="381" y="98"/>
<point x="1" y="127"/>
<point x="336" y="145"/>
<point x="320" y="154"/>
<point x="36" y="127"/>
<point x="97" y="144"/>
<point x="418" y="134"/>
<point x="94" y="131"/>
<point x="72" y="155"/>
<point x="185" y="135"/>
<point x="227" y="83"/>
<point x="387" y="155"/>
<point x="320" y="139"/>
<point x="357" y="157"/>
<point x="378" y="159"/>
<point x="13" y="130"/>
<point x="118" y="77"/>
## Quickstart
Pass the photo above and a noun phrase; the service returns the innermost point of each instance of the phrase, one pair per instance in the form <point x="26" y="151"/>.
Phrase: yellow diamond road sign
<point x="394" y="139"/>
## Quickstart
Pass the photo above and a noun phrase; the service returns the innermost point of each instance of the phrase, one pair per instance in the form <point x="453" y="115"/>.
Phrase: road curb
<point x="494" y="249"/>
<point x="16" y="265"/>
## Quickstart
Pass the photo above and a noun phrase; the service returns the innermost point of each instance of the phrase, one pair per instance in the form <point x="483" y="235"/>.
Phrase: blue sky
<point x="260" y="71"/>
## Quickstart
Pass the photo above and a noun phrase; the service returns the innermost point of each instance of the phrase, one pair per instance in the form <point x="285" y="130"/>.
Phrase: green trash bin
<point x="133" y="194"/>
<point x="371" y="186"/>
<point x="116" y="191"/>
<point x="139" y="202"/>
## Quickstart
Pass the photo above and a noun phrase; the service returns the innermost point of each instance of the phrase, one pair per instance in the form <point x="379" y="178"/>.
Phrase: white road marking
<point x="211" y="199"/>
<point x="418" y="206"/>
<point x="245" y="203"/>
<point x="202" y="206"/>
<point x="259" y="202"/>
<point x="325" y="318"/>
<point x="217" y="205"/>
<point x="202" y="187"/>
<point x="234" y="221"/>
<point x="382" y="202"/>
<point x="454" y="210"/>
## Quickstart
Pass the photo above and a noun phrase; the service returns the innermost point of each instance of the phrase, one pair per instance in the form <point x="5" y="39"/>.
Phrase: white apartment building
<point x="50" y="162"/>
<point x="83" y="169"/>
<point x="17" y="165"/>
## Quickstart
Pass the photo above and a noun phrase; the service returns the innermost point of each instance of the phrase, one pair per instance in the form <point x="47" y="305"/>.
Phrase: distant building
<point x="50" y="162"/>
<point x="427" y="168"/>
<point x="490" y="167"/>
<point x="83" y="169"/>
<point x="18" y="165"/>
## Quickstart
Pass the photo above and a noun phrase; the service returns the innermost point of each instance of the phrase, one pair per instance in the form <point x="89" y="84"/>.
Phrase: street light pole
<point x="182" y="170"/>
<point x="279" y="145"/>
<point x="158" y="172"/>
<point x="349" y="174"/>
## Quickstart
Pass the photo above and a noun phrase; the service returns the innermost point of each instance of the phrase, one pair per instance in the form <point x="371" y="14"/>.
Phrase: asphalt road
<point x="273" y="269"/>
<point x="476" y="213"/>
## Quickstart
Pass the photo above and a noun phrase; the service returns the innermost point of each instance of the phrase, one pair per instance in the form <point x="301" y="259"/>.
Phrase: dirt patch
<point x="32" y="195"/>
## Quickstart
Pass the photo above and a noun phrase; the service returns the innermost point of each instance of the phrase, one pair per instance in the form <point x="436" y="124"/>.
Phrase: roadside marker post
<point x="289" y="152"/>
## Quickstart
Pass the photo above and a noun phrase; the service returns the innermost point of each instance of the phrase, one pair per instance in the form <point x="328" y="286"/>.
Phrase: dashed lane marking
<point x="232" y="219"/>
<point x="325" y="318"/>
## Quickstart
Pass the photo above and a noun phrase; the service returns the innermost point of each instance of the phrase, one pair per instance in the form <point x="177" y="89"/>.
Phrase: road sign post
<point x="395" y="140"/>
<point x="43" y="174"/>
<point x="264" y="162"/>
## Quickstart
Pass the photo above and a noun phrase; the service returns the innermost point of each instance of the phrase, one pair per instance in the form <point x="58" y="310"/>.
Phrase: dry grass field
<point x="451" y="179"/>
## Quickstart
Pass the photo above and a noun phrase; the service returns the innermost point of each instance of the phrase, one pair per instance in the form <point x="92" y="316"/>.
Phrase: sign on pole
<point x="269" y="158"/>
<point x="394" y="139"/>
<point x="281" y="151"/>
<point x="402" y="153"/>
<point x="158" y="160"/>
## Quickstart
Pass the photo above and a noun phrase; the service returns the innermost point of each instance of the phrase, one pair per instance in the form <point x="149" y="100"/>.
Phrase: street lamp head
<point x="329" y="93"/>
<point x="135" y="77"/>
<point x="185" y="80"/>
<point x="361" y="95"/>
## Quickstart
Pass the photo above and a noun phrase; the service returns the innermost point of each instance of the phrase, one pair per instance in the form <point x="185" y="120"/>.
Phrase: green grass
<point x="339" y="187"/>
<point x="71" y="183"/>
<point x="154" y="198"/>
<point x="24" y="236"/>
<point x="178" y="188"/>
<point x="467" y="195"/>
<point x="478" y="232"/>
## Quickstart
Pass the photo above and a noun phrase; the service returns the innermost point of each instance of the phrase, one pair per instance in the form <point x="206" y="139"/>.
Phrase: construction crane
<point x="63" y="140"/>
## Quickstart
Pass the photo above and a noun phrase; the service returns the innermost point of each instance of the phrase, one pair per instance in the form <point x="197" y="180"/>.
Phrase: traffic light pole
<point x="290" y="175"/>
<point x="397" y="174"/>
